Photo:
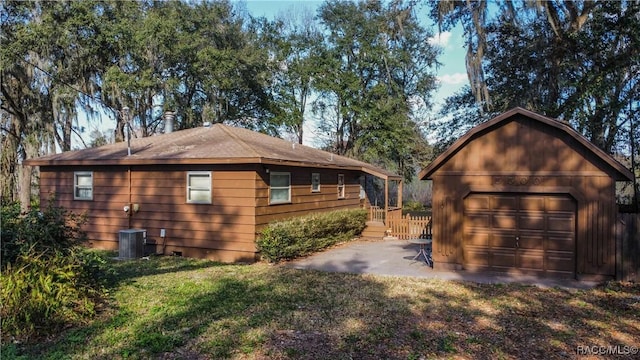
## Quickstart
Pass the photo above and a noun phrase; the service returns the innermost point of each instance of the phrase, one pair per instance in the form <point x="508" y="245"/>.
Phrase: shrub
<point x="48" y="281"/>
<point x="52" y="231"/>
<point x="413" y="206"/>
<point x="288" y="239"/>
<point x="42" y="294"/>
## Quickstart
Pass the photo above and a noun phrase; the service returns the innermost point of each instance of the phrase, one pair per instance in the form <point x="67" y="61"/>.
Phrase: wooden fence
<point x="628" y="247"/>
<point x="408" y="227"/>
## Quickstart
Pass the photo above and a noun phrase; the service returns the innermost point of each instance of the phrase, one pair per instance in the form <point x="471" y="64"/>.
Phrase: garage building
<point x="525" y="194"/>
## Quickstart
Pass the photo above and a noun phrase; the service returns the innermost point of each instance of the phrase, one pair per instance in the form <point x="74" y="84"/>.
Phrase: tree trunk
<point x="25" y="173"/>
<point x="24" y="187"/>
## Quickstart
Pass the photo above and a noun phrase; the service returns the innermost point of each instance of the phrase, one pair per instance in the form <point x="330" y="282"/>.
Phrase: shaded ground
<point x="173" y="308"/>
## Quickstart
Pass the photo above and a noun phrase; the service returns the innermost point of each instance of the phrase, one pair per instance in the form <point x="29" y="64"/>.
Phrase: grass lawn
<point x="175" y="308"/>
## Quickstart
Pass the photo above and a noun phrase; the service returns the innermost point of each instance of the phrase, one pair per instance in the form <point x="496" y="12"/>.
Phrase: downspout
<point x="130" y="213"/>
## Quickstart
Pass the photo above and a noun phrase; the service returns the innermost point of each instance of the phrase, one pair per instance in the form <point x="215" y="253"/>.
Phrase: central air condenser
<point x="131" y="243"/>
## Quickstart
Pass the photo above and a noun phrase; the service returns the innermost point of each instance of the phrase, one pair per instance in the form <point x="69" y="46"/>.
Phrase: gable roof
<point x="622" y="172"/>
<point x="217" y="144"/>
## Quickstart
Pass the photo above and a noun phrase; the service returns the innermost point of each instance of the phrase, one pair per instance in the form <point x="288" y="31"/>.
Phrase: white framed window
<point x="83" y="185"/>
<point x="341" y="186"/>
<point x="315" y="182"/>
<point x="279" y="188"/>
<point x="199" y="187"/>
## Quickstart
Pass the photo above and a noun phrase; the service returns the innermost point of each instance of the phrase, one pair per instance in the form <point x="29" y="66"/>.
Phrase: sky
<point x="451" y="73"/>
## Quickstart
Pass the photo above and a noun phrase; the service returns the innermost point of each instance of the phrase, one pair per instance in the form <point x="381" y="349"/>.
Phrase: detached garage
<point x="524" y="193"/>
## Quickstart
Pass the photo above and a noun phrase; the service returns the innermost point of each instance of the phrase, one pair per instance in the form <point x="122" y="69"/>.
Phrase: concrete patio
<point x="392" y="257"/>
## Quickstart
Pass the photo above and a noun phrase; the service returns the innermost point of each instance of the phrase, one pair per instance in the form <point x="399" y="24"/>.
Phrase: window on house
<point x="315" y="182"/>
<point x="83" y="185"/>
<point x="199" y="187"/>
<point x="280" y="188"/>
<point x="340" y="186"/>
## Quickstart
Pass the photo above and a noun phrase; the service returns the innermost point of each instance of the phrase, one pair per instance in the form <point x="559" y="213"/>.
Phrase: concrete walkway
<point x="393" y="257"/>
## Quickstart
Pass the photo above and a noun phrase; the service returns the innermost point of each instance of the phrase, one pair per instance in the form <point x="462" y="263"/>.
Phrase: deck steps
<point x="374" y="229"/>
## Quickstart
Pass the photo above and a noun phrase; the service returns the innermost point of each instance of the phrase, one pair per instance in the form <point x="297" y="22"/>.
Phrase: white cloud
<point x="453" y="79"/>
<point x="441" y="39"/>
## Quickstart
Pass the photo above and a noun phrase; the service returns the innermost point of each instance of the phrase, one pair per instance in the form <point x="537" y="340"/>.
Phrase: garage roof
<point x="216" y="144"/>
<point x="622" y="173"/>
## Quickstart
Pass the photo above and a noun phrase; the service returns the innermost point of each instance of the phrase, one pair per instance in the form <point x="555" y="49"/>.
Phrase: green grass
<point x="176" y="308"/>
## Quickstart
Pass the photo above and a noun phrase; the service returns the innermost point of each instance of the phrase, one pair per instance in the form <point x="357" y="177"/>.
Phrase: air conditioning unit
<point x="131" y="243"/>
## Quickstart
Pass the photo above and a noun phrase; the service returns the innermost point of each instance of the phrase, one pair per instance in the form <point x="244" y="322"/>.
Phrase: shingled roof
<point x="217" y="144"/>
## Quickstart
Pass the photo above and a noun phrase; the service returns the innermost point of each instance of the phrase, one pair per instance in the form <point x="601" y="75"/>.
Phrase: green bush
<point x="284" y="240"/>
<point x="41" y="294"/>
<point x="48" y="281"/>
<point x="413" y="206"/>
<point x="53" y="231"/>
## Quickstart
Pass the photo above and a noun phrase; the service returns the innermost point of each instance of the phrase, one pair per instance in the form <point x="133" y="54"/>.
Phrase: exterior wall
<point x="104" y="212"/>
<point x="303" y="200"/>
<point x="223" y="230"/>
<point x="525" y="156"/>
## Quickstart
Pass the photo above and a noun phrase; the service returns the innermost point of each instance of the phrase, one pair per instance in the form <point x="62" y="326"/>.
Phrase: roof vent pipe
<point x="169" y="116"/>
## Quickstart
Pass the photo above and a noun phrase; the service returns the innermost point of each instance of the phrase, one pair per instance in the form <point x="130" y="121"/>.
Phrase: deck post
<point x="386" y="199"/>
<point x="400" y="193"/>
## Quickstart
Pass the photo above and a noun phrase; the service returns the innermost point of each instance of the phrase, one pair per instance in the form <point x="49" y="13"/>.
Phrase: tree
<point x="51" y="61"/>
<point x="472" y="15"/>
<point x="458" y="115"/>
<point x="296" y="40"/>
<point x="374" y="76"/>
<point x="99" y="138"/>
<point x="574" y="60"/>
<point x="202" y="60"/>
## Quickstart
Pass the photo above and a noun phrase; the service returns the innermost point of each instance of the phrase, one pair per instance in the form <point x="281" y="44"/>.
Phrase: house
<point x="204" y="192"/>
<point x="524" y="193"/>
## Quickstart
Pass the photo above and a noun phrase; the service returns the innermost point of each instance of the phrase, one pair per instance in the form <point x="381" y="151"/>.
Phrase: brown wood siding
<point x="520" y="146"/>
<point x="109" y="187"/>
<point x="527" y="157"/>
<point x="303" y="200"/>
<point x="223" y="230"/>
<point x="446" y="225"/>
<point x="597" y="246"/>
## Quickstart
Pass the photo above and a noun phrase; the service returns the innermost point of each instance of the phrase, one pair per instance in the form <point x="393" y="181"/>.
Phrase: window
<point x="315" y="182"/>
<point x="280" y="183"/>
<point x="199" y="187"/>
<point x="340" y="186"/>
<point x="83" y="185"/>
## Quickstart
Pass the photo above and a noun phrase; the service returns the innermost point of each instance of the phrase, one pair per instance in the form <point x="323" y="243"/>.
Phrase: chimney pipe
<point x="168" y="121"/>
<point x="125" y="113"/>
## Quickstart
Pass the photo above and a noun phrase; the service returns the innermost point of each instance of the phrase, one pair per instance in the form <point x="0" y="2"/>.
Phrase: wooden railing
<point x="408" y="227"/>
<point x="376" y="213"/>
<point x="394" y="213"/>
